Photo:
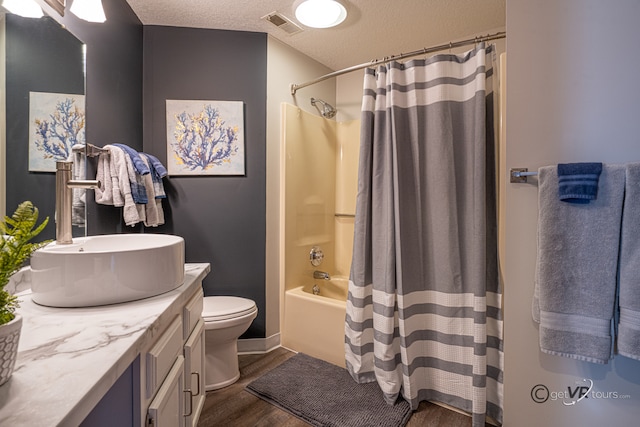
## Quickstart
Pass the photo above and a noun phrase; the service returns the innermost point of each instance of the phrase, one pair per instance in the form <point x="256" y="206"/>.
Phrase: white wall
<point x="284" y="67"/>
<point x="572" y="95"/>
<point x="349" y="96"/>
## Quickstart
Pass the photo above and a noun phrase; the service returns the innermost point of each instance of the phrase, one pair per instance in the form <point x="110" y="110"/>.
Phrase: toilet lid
<point x="223" y="308"/>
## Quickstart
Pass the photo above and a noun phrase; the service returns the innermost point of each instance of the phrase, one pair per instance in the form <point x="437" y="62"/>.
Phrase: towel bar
<point x="519" y="175"/>
<point x="91" y="150"/>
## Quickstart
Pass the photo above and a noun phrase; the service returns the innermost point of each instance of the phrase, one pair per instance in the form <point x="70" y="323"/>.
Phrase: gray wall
<point x="222" y="219"/>
<point x="572" y="95"/>
<point x="114" y="73"/>
<point x="113" y="103"/>
<point x="114" y="92"/>
<point x="40" y="57"/>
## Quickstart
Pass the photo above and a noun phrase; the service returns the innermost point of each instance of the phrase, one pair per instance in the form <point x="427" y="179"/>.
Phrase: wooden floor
<point x="234" y="407"/>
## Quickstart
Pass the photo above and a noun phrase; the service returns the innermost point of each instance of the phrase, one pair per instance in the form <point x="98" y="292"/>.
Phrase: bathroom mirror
<point x="44" y="88"/>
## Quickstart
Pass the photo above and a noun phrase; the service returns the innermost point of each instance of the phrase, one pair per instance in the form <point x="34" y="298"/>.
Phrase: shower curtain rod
<point x="426" y="50"/>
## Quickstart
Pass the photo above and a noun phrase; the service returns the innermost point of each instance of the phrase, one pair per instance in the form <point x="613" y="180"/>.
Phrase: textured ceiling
<point x="373" y="28"/>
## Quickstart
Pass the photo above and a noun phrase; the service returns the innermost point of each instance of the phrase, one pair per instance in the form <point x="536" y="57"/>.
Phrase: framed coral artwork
<point x="205" y="137"/>
<point x="56" y="124"/>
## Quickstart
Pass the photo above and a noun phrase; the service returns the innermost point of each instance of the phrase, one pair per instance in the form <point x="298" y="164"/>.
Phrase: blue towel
<point x="578" y="182"/>
<point x="140" y="167"/>
<point x="154" y="163"/>
<point x="158" y="171"/>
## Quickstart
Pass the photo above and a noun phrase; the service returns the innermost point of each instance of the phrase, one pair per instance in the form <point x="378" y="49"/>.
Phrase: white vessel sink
<point x="108" y="269"/>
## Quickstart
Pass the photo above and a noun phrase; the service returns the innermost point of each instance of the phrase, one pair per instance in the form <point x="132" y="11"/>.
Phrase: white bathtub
<point x="314" y="324"/>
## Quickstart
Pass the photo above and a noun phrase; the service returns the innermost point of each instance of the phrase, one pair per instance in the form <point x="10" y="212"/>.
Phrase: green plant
<point x="15" y="248"/>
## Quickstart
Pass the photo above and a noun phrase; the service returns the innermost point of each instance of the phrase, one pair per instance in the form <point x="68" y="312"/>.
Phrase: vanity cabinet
<point x="116" y="365"/>
<point x="167" y="407"/>
<point x="193" y="351"/>
<point x="173" y="382"/>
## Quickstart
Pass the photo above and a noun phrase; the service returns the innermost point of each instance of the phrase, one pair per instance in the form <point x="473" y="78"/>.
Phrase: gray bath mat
<point x="325" y="395"/>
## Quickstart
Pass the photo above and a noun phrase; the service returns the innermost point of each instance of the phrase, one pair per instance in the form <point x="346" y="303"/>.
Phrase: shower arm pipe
<point x="426" y="50"/>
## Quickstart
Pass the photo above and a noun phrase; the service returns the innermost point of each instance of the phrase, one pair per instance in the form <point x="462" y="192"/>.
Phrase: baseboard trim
<point x="258" y="345"/>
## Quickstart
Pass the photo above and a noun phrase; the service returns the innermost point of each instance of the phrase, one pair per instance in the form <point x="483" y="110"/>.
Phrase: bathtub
<point x="314" y="324"/>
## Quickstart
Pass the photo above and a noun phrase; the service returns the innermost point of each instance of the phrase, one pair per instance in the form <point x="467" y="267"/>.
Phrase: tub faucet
<point x="64" y="193"/>
<point x="321" y="275"/>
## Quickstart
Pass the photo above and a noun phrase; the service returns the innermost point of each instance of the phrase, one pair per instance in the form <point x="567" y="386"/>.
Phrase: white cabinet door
<point x="191" y="313"/>
<point x="194" y="372"/>
<point x="167" y="407"/>
<point x="162" y="355"/>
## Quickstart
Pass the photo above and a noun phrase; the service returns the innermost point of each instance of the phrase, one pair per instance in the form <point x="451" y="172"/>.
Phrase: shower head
<point x="327" y="109"/>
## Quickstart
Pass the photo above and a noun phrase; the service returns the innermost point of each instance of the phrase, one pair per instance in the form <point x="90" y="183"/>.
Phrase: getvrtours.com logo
<point x="580" y="391"/>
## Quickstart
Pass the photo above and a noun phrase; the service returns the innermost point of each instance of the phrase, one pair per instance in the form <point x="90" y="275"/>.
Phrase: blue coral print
<point x="57" y="123"/>
<point x="205" y="137"/>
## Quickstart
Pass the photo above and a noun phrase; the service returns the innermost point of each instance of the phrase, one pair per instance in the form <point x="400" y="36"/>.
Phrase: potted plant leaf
<point x="15" y="248"/>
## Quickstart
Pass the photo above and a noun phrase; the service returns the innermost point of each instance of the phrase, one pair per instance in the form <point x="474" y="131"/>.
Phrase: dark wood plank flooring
<point x="232" y="406"/>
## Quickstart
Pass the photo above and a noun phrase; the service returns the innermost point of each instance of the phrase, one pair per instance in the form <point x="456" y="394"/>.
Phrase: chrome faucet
<point x="64" y="193"/>
<point x="321" y="275"/>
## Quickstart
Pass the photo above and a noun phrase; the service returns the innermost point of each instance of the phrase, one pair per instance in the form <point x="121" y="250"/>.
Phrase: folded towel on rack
<point x="578" y="182"/>
<point x="132" y="212"/>
<point x="136" y="180"/>
<point x="158" y="171"/>
<point x="576" y="268"/>
<point x="140" y="167"/>
<point x="153" y="209"/>
<point x="629" y="294"/>
<point x="79" y="195"/>
<point x="105" y="194"/>
<point x="156" y="166"/>
<point x="114" y="168"/>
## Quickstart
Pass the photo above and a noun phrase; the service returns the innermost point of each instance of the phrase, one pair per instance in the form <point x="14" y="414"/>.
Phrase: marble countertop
<point x="68" y="358"/>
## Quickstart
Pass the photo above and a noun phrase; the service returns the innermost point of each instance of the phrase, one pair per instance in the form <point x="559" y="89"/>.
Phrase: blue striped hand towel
<point x="578" y="182"/>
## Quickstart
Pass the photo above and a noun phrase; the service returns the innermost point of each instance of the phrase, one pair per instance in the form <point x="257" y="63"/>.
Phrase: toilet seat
<point x="218" y="308"/>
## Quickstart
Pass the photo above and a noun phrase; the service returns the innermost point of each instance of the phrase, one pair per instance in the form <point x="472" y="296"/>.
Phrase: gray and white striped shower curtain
<point x="424" y="316"/>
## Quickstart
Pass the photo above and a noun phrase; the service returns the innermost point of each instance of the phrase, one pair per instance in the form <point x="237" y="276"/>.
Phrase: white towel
<point x="118" y="193"/>
<point x="117" y="172"/>
<point x="104" y="194"/>
<point x="160" y="211"/>
<point x="135" y="184"/>
<point x="131" y="212"/>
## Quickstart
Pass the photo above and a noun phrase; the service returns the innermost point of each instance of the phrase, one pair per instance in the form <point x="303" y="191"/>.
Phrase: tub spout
<point x="321" y="275"/>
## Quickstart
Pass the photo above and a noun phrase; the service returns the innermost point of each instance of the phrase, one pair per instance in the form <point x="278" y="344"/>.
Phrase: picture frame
<point x="205" y="137"/>
<point x="56" y="125"/>
<point x="58" y="5"/>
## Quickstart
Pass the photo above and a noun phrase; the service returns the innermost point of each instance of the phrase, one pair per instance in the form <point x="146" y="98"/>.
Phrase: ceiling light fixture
<point x="24" y="8"/>
<point x="89" y="10"/>
<point x="320" y="13"/>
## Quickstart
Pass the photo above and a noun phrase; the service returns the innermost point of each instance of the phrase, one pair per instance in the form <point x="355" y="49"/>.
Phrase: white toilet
<point x="225" y="319"/>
